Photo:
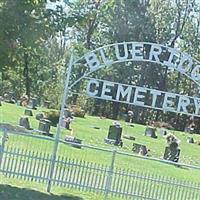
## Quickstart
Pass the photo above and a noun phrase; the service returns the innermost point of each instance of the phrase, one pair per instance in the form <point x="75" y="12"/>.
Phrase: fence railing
<point x="33" y="165"/>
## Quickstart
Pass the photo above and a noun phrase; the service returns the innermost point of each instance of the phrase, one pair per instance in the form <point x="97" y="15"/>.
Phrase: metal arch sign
<point x="143" y="52"/>
<point x="133" y="51"/>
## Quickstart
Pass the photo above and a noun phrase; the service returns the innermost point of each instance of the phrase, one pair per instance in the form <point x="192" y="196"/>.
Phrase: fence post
<point x="57" y="137"/>
<point x="2" y="146"/>
<point x="110" y="174"/>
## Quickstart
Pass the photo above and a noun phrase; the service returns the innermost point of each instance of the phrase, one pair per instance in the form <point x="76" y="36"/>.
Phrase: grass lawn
<point x="15" y="189"/>
<point x="83" y="128"/>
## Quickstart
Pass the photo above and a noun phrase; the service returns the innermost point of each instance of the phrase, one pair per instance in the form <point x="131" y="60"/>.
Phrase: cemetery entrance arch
<point x="109" y="55"/>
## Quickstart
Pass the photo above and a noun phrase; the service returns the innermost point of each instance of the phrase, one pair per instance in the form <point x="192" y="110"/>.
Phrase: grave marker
<point x="150" y="131"/>
<point x="172" y="152"/>
<point x="9" y="97"/>
<point x="39" y="116"/>
<point x="114" y="135"/>
<point x="140" y="149"/>
<point x="190" y="140"/>
<point x="32" y="103"/>
<point x="67" y="113"/>
<point x="44" y="127"/>
<point x="24" y="122"/>
<point x="73" y="140"/>
<point x="163" y="132"/>
<point x="28" y="112"/>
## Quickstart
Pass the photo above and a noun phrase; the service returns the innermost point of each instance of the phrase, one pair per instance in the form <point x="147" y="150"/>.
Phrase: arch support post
<point x="57" y="137"/>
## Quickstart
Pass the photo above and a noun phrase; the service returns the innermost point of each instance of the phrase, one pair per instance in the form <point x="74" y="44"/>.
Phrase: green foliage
<point x="78" y="112"/>
<point x="53" y="116"/>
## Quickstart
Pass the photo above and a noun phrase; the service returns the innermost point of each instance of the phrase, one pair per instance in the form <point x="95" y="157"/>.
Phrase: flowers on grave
<point x="117" y="124"/>
<point x="172" y="140"/>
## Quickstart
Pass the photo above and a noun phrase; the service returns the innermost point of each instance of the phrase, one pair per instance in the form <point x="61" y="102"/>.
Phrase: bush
<point x="78" y="112"/>
<point x="53" y="116"/>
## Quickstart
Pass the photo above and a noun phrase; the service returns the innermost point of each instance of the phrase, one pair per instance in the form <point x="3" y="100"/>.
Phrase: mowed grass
<point x="84" y="128"/>
<point x="15" y="189"/>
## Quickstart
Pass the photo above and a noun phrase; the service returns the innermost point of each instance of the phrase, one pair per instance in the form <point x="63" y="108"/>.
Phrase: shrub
<point x="53" y="116"/>
<point x="78" y="112"/>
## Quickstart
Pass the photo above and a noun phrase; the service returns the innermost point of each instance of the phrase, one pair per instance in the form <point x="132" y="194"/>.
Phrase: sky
<point x="52" y="5"/>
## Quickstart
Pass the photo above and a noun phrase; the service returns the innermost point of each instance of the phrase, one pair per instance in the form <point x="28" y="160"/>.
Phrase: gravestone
<point x="32" y="103"/>
<point x="67" y="113"/>
<point x="150" y="131"/>
<point x="114" y="135"/>
<point x="47" y="104"/>
<point x="114" y="132"/>
<point x="66" y="122"/>
<point x="172" y="154"/>
<point x="129" y="117"/>
<point x="190" y="140"/>
<point x="140" y="149"/>
<point x="28" y="112"/>
<point x="39" y="116"/>
<point x="73" y="140"/>
<point x="9" y="97"/>
<point x="163" y="132"/>
<point x="24" y="122"/>
<point x="44" y="127"/>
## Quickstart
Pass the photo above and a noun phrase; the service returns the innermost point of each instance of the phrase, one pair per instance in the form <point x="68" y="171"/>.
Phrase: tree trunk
<point x="26" y="75"/>
<point x="115" y="107"/>
<point x="2" y="86"/>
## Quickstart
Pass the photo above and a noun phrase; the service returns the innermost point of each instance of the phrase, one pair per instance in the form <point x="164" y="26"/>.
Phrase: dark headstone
<point x="24" y="122"/>
<point x="114" y="132"/>
<point x="66" y="122"/>
<point x="47" y="104"/>
<point x="67" y="113"/>
<point x="129" y="117"/>
<point x="140" y="149"/>
<point x="172" y="154"/>
<point x="190" y="140"/>
<point x="44" y="126"/>
<point x="32" y="103"/>
<point x="114" y="135"/>
<point x="28" y="112"/>
<point x="74" y="141"/>
<point x="150" y="131"/>
<point x="39" y="116"/>
<point x="9" y="97"/>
